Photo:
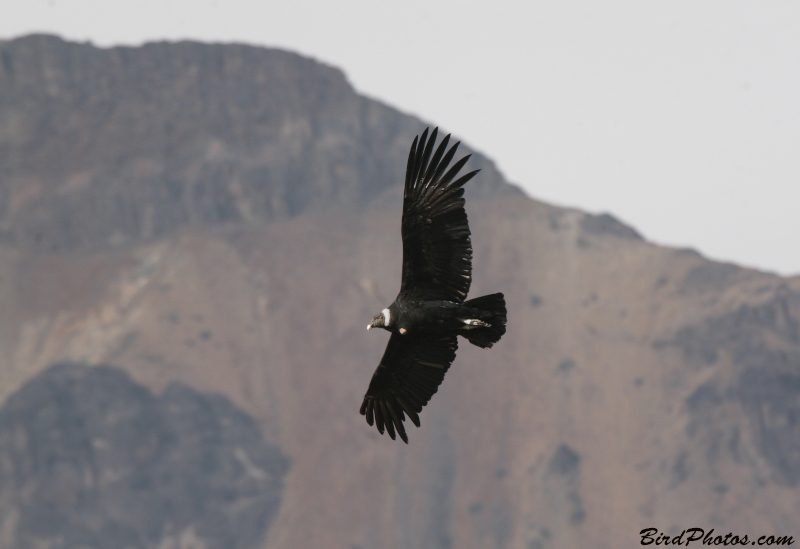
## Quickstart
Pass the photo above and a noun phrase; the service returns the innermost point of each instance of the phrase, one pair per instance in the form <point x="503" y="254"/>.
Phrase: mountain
<point x="218" y="223"/>
<point x="106" y="147"/>
<point x="92" y="459"/>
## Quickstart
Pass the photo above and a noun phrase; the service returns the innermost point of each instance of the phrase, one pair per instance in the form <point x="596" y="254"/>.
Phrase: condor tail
<point x="492" y="312"/>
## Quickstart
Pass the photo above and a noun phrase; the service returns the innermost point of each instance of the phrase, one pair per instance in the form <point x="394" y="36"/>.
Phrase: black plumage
<point x="430" y="311"/>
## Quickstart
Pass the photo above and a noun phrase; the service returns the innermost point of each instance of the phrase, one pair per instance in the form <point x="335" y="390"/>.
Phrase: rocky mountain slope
<point x="106" y="147"/>
<point x="92" y="459"/>
<point x="225" y="220"/>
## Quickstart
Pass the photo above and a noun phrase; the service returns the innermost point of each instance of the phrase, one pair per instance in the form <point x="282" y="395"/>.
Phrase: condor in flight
<point x="430" y="311"/>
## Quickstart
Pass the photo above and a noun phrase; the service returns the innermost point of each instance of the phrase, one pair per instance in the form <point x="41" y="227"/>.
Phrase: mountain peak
<point x="107" y="146"/>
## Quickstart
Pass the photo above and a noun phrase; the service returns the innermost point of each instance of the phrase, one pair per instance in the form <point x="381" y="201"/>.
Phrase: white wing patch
<point x="386" y="316"/>
<point x="475" y="322"/>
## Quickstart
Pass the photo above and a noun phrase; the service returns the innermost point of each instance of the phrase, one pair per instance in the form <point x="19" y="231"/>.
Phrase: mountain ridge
<point x="108" y="146"/>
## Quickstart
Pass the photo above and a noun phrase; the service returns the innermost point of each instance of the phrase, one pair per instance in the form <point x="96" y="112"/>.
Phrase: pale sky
<point x="682" y="118"/>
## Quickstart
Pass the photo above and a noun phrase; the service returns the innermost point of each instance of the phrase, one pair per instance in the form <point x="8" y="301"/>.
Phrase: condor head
<point x="381" y="320"/>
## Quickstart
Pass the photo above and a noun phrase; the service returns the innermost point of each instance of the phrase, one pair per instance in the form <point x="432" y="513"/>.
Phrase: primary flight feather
<point x="430" y="311"/>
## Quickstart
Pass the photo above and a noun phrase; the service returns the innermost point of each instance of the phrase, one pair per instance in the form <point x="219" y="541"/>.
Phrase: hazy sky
<point x="682" y="118"/>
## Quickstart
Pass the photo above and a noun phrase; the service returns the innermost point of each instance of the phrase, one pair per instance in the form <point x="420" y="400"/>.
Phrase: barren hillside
<point x="225" y="220"/>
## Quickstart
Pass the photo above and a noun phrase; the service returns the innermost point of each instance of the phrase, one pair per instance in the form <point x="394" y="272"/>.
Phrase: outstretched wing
<point x="409" y="374"/>
<point x="437" y="253"/>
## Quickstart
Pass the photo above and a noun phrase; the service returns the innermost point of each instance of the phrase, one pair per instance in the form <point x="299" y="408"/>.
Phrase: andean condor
<point x="430" y="311"/>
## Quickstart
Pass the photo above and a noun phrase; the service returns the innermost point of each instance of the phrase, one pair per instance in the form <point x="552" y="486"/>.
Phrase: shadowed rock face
<point x="101" y="147"/>
<point x="763" y="345"/>
<point x="89" y="458"/>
